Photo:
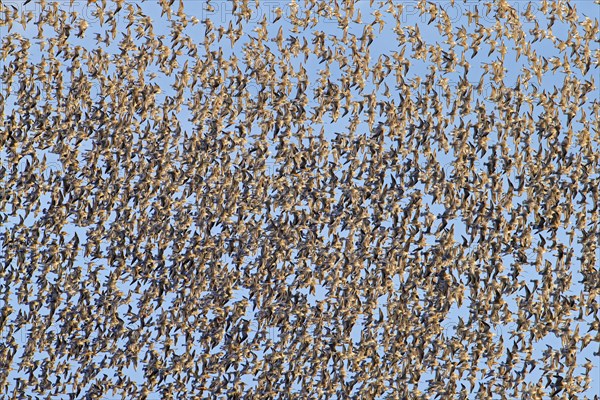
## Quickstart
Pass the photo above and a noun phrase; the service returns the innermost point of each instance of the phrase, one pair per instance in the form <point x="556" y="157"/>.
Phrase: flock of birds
<point x="268" y="206"/>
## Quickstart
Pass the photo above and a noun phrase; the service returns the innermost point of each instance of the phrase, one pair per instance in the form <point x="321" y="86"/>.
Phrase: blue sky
<point x="385" y="43"/>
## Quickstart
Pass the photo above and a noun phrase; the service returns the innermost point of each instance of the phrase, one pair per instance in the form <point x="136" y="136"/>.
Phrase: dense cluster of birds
<point x="306" y="200"/>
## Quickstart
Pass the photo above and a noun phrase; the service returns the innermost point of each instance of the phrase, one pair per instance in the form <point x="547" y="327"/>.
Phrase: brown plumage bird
<point x="245" y="201"/>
